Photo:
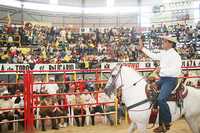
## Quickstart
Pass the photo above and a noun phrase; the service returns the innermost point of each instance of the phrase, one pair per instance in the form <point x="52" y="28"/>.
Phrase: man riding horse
<point x="170" y="68"/>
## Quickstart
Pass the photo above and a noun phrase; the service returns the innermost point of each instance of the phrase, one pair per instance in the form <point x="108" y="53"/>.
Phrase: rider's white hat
<point x="170" y="38"/>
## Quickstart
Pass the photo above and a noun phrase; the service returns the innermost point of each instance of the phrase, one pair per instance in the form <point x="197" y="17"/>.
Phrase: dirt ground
<point x="177" y="127"/>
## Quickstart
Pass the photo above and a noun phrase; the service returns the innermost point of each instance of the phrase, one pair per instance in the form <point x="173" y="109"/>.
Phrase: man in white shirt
<point x="53" y="87"/>
<point x="63" y="35"/>
<point x="3" y="88"/>
<point x="37" y="87"/>
<point x="6" y="103"/>
<point x="170" y="68"/>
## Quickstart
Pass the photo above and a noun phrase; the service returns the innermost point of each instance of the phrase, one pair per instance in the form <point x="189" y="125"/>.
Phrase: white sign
<point x="36" y="67"/>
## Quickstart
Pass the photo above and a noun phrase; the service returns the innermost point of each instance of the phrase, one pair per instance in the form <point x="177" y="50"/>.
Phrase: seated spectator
<point x="63" y="122"/>
<point x="67" y="84"/>
<point x="79" y="109"/>
<point x="198" y="84"/>
<point x="19" y="104"/>
<point x="6" y="114"/>
<point x="109" y="107"/>
<point x="51" y="111"/>
<point x="95" y="108"/>
<point x="20" y="84"/>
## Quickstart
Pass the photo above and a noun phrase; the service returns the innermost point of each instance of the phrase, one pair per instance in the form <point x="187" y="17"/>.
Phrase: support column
<point x="139" y="15"/>
<point x="82" y="13"/>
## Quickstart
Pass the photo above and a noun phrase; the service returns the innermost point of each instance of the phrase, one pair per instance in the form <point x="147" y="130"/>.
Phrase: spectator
<point x="6" y="114"/>
<point x="80" y="85"/>
<point x="62" y="100"/>
<point x="95" y="108"/>
<point x="52" y="87"/>
<point x="37" y="87"/>
<point x="3" y="88"/>
<point x="198" y="84"/>
<point x="19" y="104"/>
<point x="90" y="86"/>
<point x="79" y="109"/>
<point x="109" y="107"/>
<point x="52" y="112"/>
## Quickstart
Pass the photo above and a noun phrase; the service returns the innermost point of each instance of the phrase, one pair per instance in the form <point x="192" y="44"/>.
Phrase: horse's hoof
<point x="160" y="129"/>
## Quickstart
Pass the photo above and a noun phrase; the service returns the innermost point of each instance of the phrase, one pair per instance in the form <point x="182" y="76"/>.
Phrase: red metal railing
<point x="29" y="96"/>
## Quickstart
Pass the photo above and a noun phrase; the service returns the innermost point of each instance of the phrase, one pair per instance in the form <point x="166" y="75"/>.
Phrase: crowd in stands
<point x="42" y="44"/>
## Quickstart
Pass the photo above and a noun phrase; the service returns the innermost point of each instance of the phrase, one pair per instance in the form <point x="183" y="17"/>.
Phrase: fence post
<point x="116" y="111"/>
<point x="28" y="103"/>
<point x="126" y="116"/>
<point x="25" y="100"/>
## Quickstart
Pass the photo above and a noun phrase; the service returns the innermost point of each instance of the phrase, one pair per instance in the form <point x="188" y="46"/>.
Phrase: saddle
<point x="152" y="91"/>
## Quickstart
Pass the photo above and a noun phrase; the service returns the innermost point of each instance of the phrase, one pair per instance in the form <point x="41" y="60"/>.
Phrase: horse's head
<point x="123" y="77"/>
<point x="111" y="83"/>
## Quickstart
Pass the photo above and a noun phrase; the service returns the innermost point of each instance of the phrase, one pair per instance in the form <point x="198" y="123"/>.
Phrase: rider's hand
<point x="141" y="45"/>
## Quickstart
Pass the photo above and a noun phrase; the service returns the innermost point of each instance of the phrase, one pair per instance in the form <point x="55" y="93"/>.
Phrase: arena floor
<point x="178" y="127"/>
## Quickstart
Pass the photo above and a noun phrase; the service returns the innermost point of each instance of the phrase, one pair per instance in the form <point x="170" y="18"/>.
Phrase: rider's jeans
<point x="166" y="84"/>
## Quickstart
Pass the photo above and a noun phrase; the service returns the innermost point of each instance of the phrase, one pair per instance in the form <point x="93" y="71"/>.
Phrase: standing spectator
<point x="6" y="114"/>
<point x="3" y="88"/>
<point x="52" y="87"/>
<point x="37" y="87"/>
<point x="63" y="35"/>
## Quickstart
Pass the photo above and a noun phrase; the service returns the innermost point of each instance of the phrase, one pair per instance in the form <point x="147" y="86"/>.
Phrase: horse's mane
<point x="130" y="69"/>
<point x="132" y="73"/>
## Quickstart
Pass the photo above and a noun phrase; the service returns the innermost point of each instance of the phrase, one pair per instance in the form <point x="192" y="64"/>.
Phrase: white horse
<point x="124" y="77"/>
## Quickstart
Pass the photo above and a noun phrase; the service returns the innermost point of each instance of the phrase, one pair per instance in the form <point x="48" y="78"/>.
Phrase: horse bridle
<point x="113" y="84"/>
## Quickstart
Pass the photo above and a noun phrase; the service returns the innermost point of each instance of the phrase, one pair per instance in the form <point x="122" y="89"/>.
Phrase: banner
<point x="40" y="67"/>
<point x="150" y="64"/>
<point x="64" y="66"/>
<point x="15" y="67"/>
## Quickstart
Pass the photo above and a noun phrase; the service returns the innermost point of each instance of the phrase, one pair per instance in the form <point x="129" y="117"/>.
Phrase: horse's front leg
<point x="132" y="127"/>
<point x="142" y="127"/>
<point x="193" y="123"/>
<point x="139" y="120"/>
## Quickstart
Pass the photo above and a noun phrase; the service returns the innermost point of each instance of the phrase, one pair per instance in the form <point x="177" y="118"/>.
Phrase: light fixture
<point x="110" y="3"/>
<point x="53" y="2"/>
<point x="70" y="9"/>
